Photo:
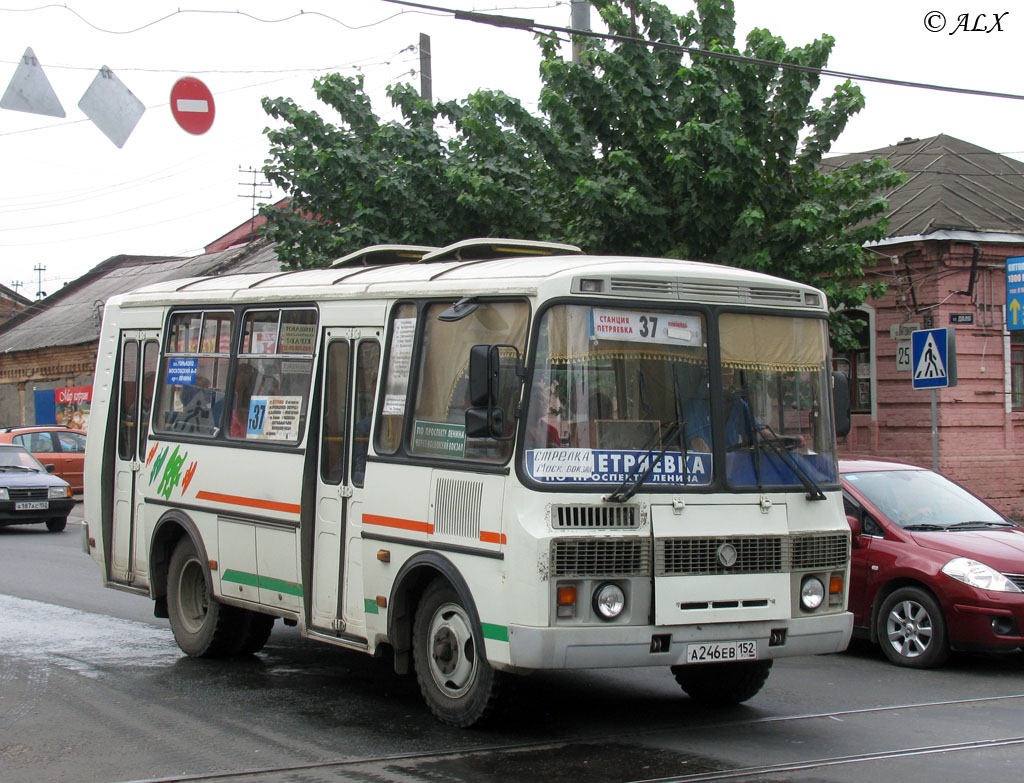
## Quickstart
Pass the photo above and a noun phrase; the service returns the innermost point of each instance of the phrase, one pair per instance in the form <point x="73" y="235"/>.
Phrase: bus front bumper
<point x="611" y="646"/>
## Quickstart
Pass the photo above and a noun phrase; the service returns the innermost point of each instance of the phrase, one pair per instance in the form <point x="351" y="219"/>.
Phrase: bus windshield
<point x="618" y="392"/>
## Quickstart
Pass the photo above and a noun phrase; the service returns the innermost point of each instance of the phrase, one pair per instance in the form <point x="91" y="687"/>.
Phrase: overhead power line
<point x="529" y="25"/>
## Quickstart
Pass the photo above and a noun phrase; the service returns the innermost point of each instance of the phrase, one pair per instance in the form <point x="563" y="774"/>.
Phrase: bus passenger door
<point x="138" y="371"/>
<point x="351" y="368"/>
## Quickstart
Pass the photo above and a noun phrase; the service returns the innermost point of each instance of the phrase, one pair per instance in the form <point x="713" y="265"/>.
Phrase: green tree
<point x="636" y="150"/>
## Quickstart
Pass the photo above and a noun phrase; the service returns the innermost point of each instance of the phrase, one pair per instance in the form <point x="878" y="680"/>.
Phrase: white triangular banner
<point x="30" y="90"/>
<point x="930" y="365"/>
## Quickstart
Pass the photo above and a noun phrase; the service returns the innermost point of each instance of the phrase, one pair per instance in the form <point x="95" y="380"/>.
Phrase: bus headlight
<point x="812" y="593"/>
<point x="609" y="601"/>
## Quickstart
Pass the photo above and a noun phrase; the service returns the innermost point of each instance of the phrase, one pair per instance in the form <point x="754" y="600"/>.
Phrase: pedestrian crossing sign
<point x="933" y="358"/>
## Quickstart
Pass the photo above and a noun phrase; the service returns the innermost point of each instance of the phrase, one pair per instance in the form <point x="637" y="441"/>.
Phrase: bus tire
<point x="256" y="628"/>
<point x="722" y="684"/>
<point x="457" y="683"/>
<point x="56" y="524"/>
<point x="202" y="627"/>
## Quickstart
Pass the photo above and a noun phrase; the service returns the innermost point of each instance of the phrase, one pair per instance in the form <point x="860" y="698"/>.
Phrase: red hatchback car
<point x="52" y="444"/>
<point x="934" y="568"/>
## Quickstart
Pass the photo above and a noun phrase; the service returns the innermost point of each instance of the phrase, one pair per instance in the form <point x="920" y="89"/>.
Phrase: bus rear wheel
<point x="202" y="627"/>
<point x="723" y="684"/>
<point x="458" y="684"/>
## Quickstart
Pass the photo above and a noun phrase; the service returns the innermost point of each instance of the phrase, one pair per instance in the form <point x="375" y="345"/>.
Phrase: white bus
<point x="491" y="458"/>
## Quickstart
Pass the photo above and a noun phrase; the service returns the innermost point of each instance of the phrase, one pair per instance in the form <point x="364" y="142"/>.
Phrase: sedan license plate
<point x="32" y="505"/>
<point x="721" y="651"/>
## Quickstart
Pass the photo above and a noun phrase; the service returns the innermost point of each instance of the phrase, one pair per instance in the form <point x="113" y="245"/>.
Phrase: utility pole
<point x="580" y="21"/>
<point x="39" y="268"/>
<point x="255" y="185"/>
<point x="16" y="284"/>
<point x="426" y="80"/>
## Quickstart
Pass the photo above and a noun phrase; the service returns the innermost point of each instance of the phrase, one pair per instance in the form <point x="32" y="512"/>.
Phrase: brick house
<point x="952" y="226"/>
<point x="11" y="303"/>
<point x="52" y="343"/>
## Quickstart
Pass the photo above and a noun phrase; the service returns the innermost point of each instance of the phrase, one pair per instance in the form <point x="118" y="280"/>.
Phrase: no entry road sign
<point x="192" y="105"/>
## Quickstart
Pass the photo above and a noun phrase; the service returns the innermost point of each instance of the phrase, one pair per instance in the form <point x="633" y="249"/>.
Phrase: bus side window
<point x="396" y="382"/>
<point x="272" y="375"/>
<point x="442" y="388"/>
<point x="193" y="375"/>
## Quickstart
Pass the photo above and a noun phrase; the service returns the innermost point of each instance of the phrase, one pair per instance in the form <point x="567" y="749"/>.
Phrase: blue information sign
<point x="933" y="358"/>
<point x="1015" y="293"/>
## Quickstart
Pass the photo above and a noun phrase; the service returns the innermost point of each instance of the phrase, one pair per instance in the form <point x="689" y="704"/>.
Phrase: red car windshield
<point x="912" y="498"/>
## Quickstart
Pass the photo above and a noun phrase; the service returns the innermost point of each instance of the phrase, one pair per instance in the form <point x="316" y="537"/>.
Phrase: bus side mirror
<point x="841" y="402"/>
<point x="490" y="377"/>
<point x="483" y="374"/>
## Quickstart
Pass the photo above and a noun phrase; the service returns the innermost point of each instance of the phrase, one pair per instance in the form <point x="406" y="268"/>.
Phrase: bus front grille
<point x="737" y="555"/>
<point x="750" y="554"/>
<point x="595" y="517"/>
<point x="814" y="552"/>
<point x="600" y="557"/>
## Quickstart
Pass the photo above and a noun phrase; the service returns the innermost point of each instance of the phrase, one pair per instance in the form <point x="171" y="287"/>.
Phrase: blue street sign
<point x="933" y="358"/>
<point x="1015" y="293"/>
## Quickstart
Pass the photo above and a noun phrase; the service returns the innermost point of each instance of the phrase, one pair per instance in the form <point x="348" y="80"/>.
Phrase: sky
<point x="70" y="198"/>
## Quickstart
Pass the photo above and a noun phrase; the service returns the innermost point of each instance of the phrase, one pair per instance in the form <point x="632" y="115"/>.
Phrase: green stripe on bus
<point x="370" y="606"/>
<point x="262" y="582"/>
<point x="497" y="632"/>
<point x="241" y="577"/>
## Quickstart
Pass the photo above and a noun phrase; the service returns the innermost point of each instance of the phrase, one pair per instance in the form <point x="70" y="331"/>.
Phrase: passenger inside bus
<point x="244" y="384"/>
<point x="542" y="429"/>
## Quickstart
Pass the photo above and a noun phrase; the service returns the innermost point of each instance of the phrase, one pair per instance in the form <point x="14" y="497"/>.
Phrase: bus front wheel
<point x="458" y="684"/>
<point x="722" y="684"/>
<point x="203" y="628"/>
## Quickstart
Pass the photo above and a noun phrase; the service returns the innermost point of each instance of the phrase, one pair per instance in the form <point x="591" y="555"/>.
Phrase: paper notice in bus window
<point x="394" y="405"/>
<point x="401" y="351"/>
<point x="274" y="418"/>
<point x="182" y="372"/>
<point x="297" y="338"/>
<point x="646" y="327"/>
<point x="399" y="364"/>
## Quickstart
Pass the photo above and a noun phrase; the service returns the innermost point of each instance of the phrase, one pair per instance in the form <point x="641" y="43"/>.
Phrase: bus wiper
<point x="813" y="490"/>
<point x="631" y="485"/>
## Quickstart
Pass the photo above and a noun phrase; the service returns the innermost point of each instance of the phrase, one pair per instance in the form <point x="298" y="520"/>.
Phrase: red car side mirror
<point x="855" y="528"/>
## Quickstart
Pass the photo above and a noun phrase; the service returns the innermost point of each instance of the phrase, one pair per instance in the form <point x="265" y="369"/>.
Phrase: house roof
<point x="951" y="185"/>
<point x="14" y="297"/>
<point x="72" y="315"/>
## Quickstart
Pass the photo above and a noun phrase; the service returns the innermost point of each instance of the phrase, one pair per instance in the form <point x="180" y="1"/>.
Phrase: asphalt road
<point x="94" y="690"/>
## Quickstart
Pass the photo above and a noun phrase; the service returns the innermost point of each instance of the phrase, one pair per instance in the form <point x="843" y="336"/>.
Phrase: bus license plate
<point x="32" y="505"/>
<point x="721" y="651"/>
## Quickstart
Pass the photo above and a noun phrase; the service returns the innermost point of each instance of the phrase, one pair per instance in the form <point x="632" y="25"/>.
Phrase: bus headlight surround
<point x="812" y="593"/>
<point x="609" y="601"/>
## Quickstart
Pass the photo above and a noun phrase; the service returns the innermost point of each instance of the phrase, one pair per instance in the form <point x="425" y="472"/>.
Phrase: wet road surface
<point x="94" y="690"/>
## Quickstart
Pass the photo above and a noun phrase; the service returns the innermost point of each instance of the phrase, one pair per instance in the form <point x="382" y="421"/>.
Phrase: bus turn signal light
<point x="567" y="601"/>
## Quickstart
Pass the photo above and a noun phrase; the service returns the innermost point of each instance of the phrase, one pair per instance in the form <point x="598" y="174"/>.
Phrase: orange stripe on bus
<point x="401" y="524"/>
<point x="493" y="538"/>
<point x="237" y="500"/>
